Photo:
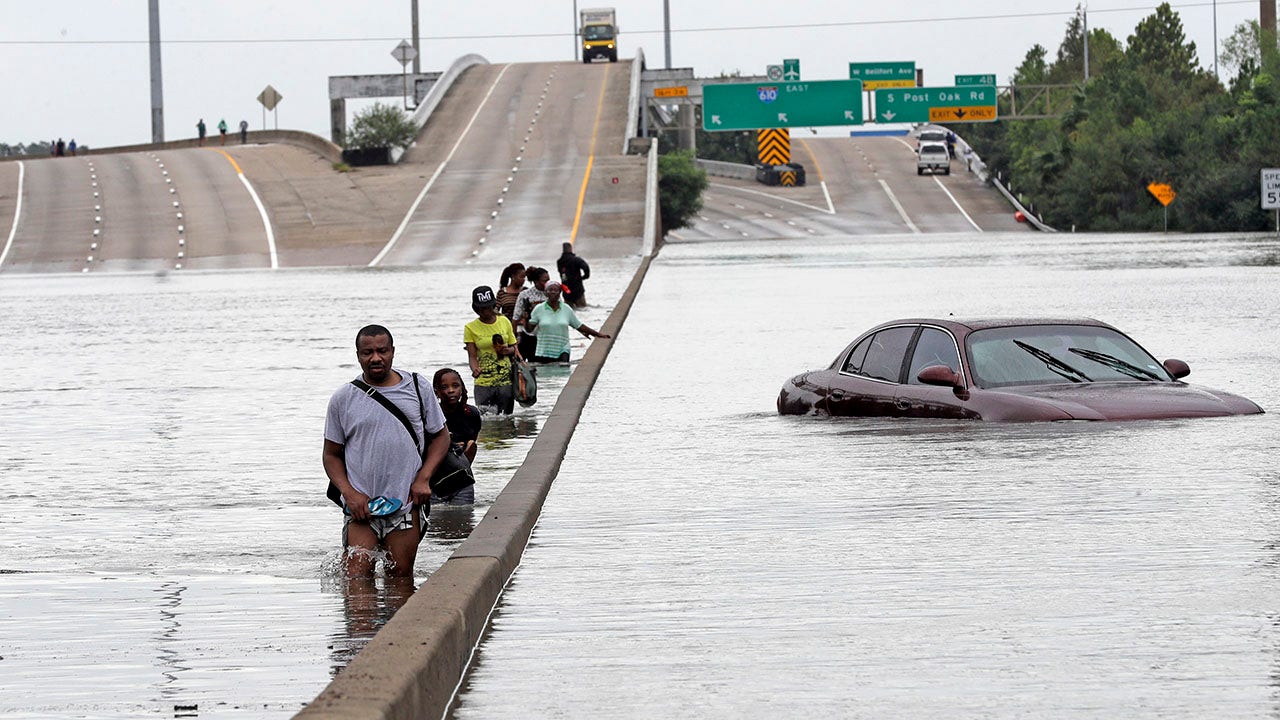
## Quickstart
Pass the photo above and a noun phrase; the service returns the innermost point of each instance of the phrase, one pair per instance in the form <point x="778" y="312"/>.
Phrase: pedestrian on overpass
<point x="222" y="129"/>
<point x="573" y="270"/>
<point x="200" y="131"/>
<point x="244" y="131"/>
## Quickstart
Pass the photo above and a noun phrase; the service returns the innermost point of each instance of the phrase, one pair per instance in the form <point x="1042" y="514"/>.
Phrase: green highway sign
<point x="875" y="76"/>
<point x="791" y="69"/>
<point x="757" y="105"/>
<point x="975" y="80"/>
<point x="974" y="103"/>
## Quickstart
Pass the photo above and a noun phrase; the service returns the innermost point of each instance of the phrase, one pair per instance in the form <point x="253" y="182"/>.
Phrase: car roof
<point x="966" y="325"/>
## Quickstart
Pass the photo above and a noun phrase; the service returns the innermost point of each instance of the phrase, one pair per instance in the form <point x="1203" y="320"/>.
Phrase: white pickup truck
<point x="934" y="157"/>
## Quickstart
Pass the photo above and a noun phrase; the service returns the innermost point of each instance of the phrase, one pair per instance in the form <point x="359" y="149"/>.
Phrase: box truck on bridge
<point x="599" y="29"/>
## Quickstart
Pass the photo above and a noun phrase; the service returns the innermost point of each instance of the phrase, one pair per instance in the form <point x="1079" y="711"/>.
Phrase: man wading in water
<point x="370" y="454"/>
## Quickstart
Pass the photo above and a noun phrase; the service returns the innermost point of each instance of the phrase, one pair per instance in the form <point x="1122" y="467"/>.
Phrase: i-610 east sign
<point x="752" y="106"/>
<point x="975" y="103"/>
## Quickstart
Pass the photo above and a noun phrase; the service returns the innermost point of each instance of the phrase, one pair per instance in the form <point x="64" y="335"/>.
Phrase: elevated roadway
<point x="871" y="189"/>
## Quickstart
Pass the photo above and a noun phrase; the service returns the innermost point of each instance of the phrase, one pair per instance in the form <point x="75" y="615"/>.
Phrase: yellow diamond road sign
<point x="1164" y="193"/>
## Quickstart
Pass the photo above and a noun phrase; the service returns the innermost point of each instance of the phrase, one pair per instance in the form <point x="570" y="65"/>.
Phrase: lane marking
<point x="821" y="178"/>
<point x="771" y="197"/>
<point x="591" y="158"/>
<point x="262" y="211"/>
<point x="894" y="199"/>
<point x="957" y="204"/>
<point x="395" y="237"/>
<point x="17" y="213"/>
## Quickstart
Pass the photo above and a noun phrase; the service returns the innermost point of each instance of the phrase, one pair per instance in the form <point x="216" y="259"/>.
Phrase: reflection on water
<point x="367" y="605"/>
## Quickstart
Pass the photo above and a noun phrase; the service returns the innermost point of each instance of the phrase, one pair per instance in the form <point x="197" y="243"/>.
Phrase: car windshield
<point x="1050" y="354"/>
<point x="597" y="32"/>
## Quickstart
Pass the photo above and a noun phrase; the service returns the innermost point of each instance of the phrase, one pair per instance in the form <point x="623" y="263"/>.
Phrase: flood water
<point x="702" y="557"/>
<point x="166" y="548"/>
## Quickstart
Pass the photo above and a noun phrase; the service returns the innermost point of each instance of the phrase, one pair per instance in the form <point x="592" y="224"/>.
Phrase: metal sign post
<point x="270" y="98"/>
<point x="405" y="53"/>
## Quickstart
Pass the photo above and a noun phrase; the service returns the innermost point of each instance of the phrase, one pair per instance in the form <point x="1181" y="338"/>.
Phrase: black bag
<point x="525" y="382"/>
<point x="451" y="475"/>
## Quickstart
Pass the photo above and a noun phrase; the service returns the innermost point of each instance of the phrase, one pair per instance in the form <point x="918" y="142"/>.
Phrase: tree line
<point x="1147" y="113"/>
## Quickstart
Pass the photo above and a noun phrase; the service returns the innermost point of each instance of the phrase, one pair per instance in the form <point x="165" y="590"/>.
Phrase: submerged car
<point x="1003" y="370"/>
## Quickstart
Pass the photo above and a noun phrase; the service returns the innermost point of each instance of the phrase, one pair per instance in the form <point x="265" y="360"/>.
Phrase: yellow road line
<point x="582" y="193"/>
<point x="814" y="158"/>
<point x="231" y="160"/>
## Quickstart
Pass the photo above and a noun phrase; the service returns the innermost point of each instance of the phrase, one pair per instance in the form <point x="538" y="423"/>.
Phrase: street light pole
<point x="417" y="59"/>
<point x="666" y="28"/>
<point x="576" y="40"/>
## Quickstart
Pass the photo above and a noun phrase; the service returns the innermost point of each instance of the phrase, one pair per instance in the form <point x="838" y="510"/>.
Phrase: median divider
<point x="414" y="666"/>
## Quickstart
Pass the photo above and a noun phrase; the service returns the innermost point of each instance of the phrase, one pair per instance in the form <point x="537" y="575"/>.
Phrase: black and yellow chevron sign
<point x="787" y="178"/>
<point x="774" y="146"/>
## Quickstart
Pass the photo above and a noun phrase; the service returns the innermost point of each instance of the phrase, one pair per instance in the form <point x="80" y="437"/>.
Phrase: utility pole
<point x="157" y="84"/>
<point x="1085" y="15"/>
<point x="666" y="28"/>
<point x="577" y="42"/>
<point x="417" y="45"/>
<point x="1267" y="19"/>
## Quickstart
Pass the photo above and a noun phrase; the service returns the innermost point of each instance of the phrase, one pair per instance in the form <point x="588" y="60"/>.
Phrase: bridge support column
<point x="688" y="136"/>
<point x="337" y="120"/>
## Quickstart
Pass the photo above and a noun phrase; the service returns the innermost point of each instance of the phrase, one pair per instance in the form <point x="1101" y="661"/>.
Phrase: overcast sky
<point x="79" y="68"/>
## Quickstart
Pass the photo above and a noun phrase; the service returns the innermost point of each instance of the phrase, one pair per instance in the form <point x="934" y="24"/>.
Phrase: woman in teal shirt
<point x="553" y="320"/>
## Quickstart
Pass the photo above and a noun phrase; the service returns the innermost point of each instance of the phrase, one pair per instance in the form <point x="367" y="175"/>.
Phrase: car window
<point x="885" y="355"/>
<point x="935" y="347"/>
<point x="854" y="363"/>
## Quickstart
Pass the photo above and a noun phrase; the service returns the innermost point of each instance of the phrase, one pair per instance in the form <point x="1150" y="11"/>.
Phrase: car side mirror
<point x="940" y="375"/>
<point x="1177" y="368"/>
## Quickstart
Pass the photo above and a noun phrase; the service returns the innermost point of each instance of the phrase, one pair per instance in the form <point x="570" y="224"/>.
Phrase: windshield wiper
<point x="1053" y="363"/>
<point x="1116" y="364"/>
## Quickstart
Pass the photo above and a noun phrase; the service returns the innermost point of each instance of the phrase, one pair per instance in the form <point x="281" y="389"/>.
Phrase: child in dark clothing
<point x="463" y="421"/>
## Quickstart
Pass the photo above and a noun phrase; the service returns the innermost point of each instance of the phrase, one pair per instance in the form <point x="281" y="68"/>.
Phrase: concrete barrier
<point x="437" y="92"/>
<point x="633" y="101"/>
<point x="297" y="138"/>
<point x="728" y="169"/>
<point x="414" y="666"/>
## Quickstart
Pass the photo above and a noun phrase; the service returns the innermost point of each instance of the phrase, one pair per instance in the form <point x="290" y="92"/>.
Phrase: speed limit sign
<point x="1271" y="189"/>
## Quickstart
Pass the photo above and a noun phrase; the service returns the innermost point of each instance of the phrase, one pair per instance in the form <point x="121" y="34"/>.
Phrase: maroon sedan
<point x="1003" y="370"/>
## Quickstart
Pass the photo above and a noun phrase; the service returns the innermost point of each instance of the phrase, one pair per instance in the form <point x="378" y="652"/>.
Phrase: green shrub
<point x="380" y="126"/>
<point x="680" y="186"/>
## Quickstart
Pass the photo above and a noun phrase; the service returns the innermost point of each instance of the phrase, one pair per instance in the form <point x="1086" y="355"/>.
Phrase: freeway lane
<point x="505" y="157"/>
<point x="125" y="206"/>
<point x="873" y="189"/>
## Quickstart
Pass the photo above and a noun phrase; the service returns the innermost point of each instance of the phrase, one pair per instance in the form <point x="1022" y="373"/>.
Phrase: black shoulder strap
<point x="390" y="406"/>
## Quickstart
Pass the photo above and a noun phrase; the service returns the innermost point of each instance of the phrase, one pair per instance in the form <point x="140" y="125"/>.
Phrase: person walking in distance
<point x="553" y="320"/>
<point x="222" y="130"/>
<point x="244" y="131"/>
<point x="490" y="366"/>
<point x="370" y="454"/>
<point x="200" y="130"/>
<point x="525" y="302"/>
<point x="573" y="270"/>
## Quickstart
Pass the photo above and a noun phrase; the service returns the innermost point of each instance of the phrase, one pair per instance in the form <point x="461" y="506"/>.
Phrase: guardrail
<point x="633" y="101"/>
<point x="728" y="169"/>
<point x="975" y="165"/>
<point x="437" y="92"/>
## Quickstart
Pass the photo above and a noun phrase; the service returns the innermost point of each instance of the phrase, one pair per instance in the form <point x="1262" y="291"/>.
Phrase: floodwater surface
<point x="166" y="546"/>
<point x="700" y="556"/>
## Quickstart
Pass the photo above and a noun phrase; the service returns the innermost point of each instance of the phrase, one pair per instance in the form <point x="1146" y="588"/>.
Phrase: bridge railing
<point x="437" y="93"/>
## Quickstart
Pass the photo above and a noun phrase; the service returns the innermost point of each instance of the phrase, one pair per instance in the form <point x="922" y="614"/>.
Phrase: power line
<point x="702" y="30"/>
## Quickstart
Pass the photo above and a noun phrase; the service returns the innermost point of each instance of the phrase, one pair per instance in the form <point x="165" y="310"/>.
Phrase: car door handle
<point x="836" y="395"/>
<point x="902" y="404"/>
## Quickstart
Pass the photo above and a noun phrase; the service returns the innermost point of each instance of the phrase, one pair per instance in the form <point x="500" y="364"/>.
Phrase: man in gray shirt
<point x="369" y="453"/>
